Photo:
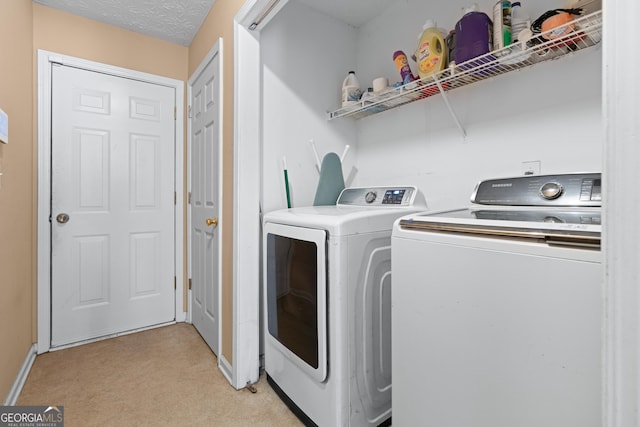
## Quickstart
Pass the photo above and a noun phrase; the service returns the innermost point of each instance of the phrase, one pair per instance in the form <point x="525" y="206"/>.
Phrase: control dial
<point x="370" y="197"/>
<point x="551" y="190"/>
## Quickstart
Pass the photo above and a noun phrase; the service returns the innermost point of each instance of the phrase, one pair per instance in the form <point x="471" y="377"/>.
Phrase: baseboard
<point x="14" y="393"/>
<point x="226" y="369"/>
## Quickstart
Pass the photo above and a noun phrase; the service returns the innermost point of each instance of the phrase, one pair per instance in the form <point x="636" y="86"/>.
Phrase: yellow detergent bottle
<point x="431" y="54"/>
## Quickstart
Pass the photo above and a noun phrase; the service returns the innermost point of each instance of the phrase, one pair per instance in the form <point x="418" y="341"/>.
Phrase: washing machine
<point x="327" y="305"/>
<point x="497" y="316"/>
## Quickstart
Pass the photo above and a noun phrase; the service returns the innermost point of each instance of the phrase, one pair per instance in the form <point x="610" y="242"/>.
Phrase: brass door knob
<point x="212" y="221"/>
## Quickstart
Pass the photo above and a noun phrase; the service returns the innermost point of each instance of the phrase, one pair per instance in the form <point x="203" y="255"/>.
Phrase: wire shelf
<point x="582" y="33"/>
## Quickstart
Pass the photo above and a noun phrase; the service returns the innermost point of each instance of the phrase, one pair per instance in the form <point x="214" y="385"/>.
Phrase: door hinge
<point x="189" y="198"/>
<point x="175" y="198"/>
<point x="189" y="112"/>
<point x="175" y="113"/>
<point x="175" y="282"/>
<point x="189" y="283"/>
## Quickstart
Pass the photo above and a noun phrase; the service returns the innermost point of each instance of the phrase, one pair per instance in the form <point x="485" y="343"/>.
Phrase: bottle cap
<point x="473" y="7"/>
<point x="516" y="3"/>
<point x="430" y="23"/>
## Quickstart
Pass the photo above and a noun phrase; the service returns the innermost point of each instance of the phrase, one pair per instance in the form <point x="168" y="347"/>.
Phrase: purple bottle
<point x="402" y="65"/>
<point x="473" y="37"/>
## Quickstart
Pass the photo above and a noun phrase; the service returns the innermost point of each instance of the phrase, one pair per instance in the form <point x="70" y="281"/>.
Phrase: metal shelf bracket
<point x="445" y="98"/>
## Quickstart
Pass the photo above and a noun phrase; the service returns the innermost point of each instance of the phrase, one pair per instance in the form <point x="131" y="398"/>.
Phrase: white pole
<point x="344" y="153"/>
<point x="315" y="153"/>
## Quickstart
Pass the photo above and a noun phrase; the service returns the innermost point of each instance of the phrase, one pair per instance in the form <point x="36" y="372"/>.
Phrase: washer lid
<point x="568" y="226"/>
<point x="519" y="215"/>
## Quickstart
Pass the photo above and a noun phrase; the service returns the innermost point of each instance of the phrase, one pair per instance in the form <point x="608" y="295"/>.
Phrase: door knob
<point x="212" y="221"/>
<point x="62" y="218"/>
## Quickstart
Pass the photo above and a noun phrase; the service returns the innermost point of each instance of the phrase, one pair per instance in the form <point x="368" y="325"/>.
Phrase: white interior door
<point x="112" y="201"/>
<point x="205" y="168"/>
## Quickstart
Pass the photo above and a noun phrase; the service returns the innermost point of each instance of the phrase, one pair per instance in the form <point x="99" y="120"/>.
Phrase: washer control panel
<point x="379" y="196"/>
<point x="578" y="189"/>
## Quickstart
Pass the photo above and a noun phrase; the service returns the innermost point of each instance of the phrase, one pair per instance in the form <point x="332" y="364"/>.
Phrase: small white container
<point x="380" y="84"/>
<point x="520" y="21"/>
<point x="351" y="91"/>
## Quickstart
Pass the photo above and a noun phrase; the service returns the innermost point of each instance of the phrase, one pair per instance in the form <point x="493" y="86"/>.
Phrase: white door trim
<point x="247" y="196"/>
<point x="215" y="50"/>
<point x="45" y="60"/>
<point x="621" y="206"/>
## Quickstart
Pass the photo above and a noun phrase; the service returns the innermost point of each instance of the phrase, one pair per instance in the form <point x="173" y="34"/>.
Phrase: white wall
<point x="550" y="112"/>
<point x="305" y="54"/>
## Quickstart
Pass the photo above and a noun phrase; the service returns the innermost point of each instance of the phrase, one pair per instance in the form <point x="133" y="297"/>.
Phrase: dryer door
<point x="296" y="295"/>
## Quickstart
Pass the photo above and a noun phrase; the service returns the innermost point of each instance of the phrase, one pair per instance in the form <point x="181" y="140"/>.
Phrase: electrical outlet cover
<point x="531" y="167"/>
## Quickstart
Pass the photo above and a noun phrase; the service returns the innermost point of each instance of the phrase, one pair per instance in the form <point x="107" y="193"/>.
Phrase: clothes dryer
<point x="327" y="305"/>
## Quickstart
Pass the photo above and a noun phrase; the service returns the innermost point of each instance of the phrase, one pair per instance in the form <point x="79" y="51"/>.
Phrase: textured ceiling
<point x="176" y="21"/>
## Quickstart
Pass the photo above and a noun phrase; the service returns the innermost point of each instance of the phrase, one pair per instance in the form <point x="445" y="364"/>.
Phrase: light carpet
<point x="166" y="376"/>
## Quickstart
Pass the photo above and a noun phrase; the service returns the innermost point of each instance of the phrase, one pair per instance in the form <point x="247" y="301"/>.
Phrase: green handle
<point x="286" y="186"/>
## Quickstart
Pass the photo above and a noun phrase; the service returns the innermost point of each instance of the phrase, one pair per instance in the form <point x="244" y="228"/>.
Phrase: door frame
<point x="45" y="61"/>
<point x="248" y="334"/>
<point x="206" y="61"/>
